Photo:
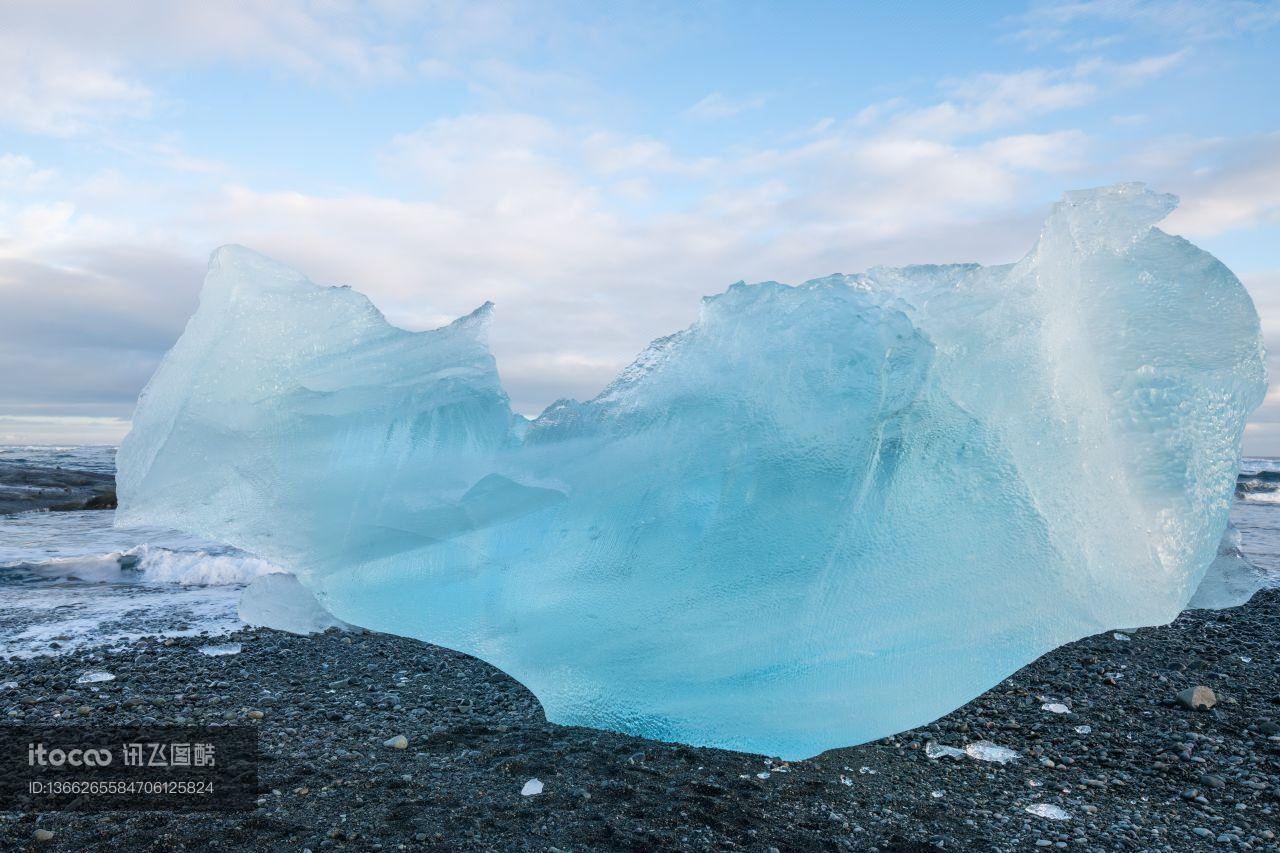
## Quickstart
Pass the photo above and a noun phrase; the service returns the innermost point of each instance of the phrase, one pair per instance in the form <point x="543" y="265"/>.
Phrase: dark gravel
<point x="1150" y="775"/>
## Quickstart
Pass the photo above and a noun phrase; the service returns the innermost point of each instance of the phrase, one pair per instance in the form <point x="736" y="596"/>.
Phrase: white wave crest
<point x="155" y="565"/>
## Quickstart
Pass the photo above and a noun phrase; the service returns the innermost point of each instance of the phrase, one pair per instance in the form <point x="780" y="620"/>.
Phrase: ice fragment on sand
<point x="907" y="483"/>
<point x="221" y="650"/>
<point x="937" y="750"/>
<point x="1055" y="708"/>
<point x="95" y="677"/>
<point x="1048" y="810"/>
<point x="985" y="750"/>
<point x="1083" y="730"/>
<point x="531" y="788"/>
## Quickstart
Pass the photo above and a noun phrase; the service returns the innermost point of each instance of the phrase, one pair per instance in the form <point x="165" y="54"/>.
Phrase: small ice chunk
<point x="1122" y="637"/>
<point x="8" y="685"/>
<point x="937" y="795"/>
<point x="866" y="771"/>
<point x="1083" y="730"/>
<point x="1055" y="708"/>
<point x="764" y="775"/>
<point x="280" y="601"/>
<point x="845" y="780"/>
<point x="937" y="750"/>
<point x="985" y="750"/>
<point x="95" y="677"/>
<point x="1048" y="810"/>
<point x="531" y="788"/>
<point x="220" y="650"/>
<point x="1244" y="659"/>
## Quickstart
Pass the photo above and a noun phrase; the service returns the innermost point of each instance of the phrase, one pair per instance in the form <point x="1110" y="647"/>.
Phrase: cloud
<point x="1057" y="21"/>
<point x="53" y="91"/>
<point x="1227" y="185"/>
<point x="547" y="219"/>
<point x="88" y="337"/>
<point x="311" y="39"/>
<point x="67" y="67"/>
<point x="18" y="174"/>
<point x="523" y="211"/>
<point x="1060" y="151"/>
<point x="590" y="240"/>
<point x="717" y="106"/>
<point x="74" y="65"/>
<point x="1133" y="73"/>
<point x="1262" y="436"/>
<point x="989" y="101"/>
<point x="61" y="429"/>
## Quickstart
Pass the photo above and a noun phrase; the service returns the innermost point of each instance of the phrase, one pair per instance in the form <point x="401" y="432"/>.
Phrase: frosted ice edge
<point x="819" y="515"/>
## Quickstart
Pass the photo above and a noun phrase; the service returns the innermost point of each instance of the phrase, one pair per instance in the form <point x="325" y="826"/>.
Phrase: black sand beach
<point x="1150" y="774"/>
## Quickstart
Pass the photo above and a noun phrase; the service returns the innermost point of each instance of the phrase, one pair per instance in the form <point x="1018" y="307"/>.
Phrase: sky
<point x="592" y="168"/>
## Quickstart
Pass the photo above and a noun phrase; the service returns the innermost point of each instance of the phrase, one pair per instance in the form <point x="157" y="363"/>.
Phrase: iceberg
<point x="819" y="515"/>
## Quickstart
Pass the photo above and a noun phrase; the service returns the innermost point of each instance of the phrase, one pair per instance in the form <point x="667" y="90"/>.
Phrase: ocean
<point x="71" y="580"/>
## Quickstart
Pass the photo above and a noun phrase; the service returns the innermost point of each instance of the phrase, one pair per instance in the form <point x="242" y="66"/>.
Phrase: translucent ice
<point x="278" y="601"/>
<point x="1231" y="579"/>
<point x="985" y="750"/>
<point x="819" y="515"/>
<point x="1048" y="810"/>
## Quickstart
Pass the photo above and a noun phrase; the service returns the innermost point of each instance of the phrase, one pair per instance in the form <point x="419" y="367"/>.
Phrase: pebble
<point x="42" y="835"/>
<point x="397" y="742"/>
<point x="1198" y="698"/>
<point x="479" y="738"/>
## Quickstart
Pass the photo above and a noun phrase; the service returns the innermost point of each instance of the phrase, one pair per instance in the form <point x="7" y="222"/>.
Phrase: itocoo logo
<point x="38" y="754"/>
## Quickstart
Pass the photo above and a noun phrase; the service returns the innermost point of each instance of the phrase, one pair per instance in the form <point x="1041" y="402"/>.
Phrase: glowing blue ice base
<point x="819" y="515"/>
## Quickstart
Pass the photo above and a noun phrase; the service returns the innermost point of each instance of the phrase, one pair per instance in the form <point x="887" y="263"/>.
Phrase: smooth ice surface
<point x="1048" y="810"/>
<point x="985" y="750"/>
<point x="1230" y="580"/>
<point x="819" y="515"/>
<point x="278" y="601"/>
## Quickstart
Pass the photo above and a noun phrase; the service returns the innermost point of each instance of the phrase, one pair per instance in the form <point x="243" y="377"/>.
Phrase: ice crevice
<point x="819" y="515"/>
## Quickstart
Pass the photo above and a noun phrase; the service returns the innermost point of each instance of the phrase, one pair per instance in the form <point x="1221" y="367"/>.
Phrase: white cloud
<point x="61" y="429"/>
<point x="1133" y="73"/>
<point x="1061" y="151"/>
<point x="1057" y="21"/>
<point x="1238" y="187"/>
<point x="552" y="223"/>
<point x="69" y="66"/>
<point x="985" y="102"/>
<point x="46" y="89"/>
<point x="719" y="106"/>
<point x="564" y="224"/>
<point x="19" y="174"/>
